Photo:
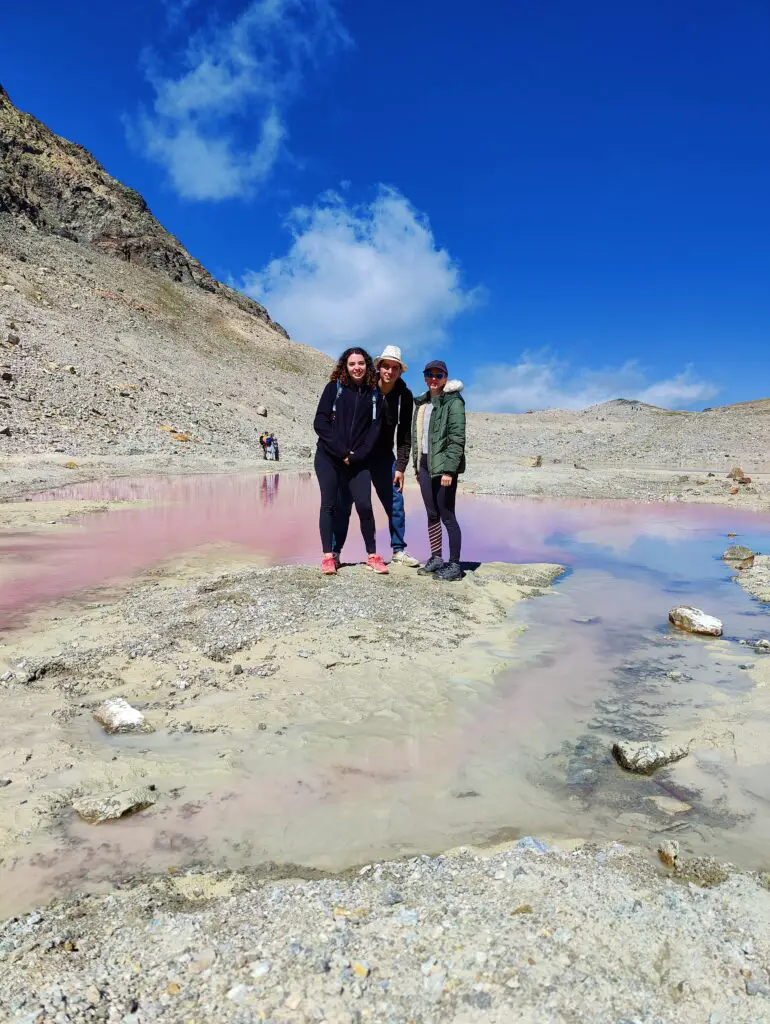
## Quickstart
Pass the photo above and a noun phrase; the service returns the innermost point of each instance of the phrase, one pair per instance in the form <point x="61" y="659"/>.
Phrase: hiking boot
<point x="449" y="573"/>
<point x="376" y="563"/>
<point x="434" y="563"/>
<point x="403" y="558"/>
<point x="329" y="565"/>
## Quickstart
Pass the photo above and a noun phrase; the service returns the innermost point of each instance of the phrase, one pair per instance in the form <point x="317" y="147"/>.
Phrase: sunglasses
<point x="435" y="375"/>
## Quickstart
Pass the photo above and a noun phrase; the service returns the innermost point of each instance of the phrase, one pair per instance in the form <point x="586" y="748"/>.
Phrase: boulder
<point x="694" y="620"/>
<point x="739" y="556"/>
<point x="111" y="806"/>
<point x="305" y="452"/>
<point x="534" y="461"/>
<point x="645" y="758"/>
<point x="261" y="410"/>
<point x="118" y="716"/>
<point x="762" y="645"/>
<point x="736" y="473"/>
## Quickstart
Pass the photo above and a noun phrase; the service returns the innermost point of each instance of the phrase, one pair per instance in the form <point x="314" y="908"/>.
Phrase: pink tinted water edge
<point x="275" y="517"/>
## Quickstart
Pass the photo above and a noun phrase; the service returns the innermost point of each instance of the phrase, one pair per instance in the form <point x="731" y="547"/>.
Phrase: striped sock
<point x="434" y="538"/>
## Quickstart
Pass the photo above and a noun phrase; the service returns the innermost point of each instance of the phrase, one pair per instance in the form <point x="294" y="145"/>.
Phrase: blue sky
<point x="569" y="201"/>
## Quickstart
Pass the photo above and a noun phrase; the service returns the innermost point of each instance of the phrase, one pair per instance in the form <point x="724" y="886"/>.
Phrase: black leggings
<point x="440" y="506"/>
<point x="355" y="485"/>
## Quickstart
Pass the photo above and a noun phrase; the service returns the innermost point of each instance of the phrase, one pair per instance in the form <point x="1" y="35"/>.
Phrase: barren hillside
<point x="113" y="339"/>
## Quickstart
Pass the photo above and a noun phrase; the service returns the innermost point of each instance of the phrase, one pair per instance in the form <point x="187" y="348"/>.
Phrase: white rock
<point x="261" y="410"/>
<point x="694" y="620"/>
<point x="644" y="758"/>
<point x="118" y="716"/>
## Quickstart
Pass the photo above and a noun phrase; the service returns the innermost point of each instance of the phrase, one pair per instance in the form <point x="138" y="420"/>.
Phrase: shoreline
<point x="26" y="476"/>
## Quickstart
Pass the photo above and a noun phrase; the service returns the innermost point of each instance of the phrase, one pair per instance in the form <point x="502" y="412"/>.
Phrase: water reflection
<point x="184" y="514"/>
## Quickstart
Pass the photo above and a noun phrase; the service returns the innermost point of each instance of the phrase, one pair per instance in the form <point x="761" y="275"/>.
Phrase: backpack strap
<point x="339" y="392"/>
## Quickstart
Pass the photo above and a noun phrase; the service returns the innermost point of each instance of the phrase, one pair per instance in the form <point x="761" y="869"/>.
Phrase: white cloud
<point x="540" y="381"/>
<point x="367" y="275"/>
<point x="217" y="123"/>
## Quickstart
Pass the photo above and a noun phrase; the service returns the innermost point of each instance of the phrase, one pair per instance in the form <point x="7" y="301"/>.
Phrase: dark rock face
<point x="57" y="187"/>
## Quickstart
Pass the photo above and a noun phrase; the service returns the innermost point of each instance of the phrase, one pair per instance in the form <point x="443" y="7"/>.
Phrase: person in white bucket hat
<point x="388" y="470"/>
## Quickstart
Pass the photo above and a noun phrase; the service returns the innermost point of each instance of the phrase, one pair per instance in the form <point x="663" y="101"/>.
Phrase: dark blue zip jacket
<point x="350" y="430"/>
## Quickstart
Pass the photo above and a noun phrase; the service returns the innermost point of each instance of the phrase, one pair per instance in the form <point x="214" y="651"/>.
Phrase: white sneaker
<point x="403" y="558"/>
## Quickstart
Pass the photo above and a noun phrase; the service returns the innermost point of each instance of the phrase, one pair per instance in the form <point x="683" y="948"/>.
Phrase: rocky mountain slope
<point x="56" y="186"/>
<point x="113" y="339"/>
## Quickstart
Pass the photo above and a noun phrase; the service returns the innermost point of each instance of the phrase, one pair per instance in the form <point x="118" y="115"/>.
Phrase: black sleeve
<point x="364" y="450"/>
<point x="404" y="431"/>
<point x="323" y="423"/>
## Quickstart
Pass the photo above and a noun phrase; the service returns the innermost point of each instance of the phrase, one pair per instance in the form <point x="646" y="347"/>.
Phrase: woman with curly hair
<point x="348" y="422"/>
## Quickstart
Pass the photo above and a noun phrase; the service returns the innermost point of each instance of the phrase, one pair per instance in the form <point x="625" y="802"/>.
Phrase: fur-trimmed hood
<point x="452" y="387"/>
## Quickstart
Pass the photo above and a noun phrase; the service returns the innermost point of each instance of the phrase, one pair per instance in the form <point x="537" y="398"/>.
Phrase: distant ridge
<point x="58" y="187"/>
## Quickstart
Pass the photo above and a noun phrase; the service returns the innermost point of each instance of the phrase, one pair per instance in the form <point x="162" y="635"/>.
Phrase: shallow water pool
<point x="528" y="755"/>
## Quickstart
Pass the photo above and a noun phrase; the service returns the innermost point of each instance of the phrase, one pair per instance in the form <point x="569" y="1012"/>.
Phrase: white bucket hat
<point x="392" y="353"/>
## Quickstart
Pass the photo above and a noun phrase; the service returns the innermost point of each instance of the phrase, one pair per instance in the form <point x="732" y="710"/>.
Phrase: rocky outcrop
<point x="56" y="186"/>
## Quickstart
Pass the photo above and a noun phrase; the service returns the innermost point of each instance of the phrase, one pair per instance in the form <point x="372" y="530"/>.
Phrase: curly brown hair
<point x="340" y="371"/>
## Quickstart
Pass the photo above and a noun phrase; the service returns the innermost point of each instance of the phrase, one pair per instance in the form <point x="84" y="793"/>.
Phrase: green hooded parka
<point x="446" y="430"/>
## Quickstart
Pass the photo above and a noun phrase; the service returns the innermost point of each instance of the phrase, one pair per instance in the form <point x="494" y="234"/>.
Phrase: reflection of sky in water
<point x="673" y="547"/>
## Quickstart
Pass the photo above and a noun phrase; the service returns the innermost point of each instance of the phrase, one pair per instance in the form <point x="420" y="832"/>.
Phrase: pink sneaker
<point x="376" y="563"/>
<point x="329" y="565"/>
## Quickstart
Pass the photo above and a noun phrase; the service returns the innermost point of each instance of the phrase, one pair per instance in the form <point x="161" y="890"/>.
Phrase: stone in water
<point x="112" y="806"/>
<point x="738" y="553"/>
<point x="118" y="716"/>
<point x="694" y="620"/>
<point x="645" y="758"/>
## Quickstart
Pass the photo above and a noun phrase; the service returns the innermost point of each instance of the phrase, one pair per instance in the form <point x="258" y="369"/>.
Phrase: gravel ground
<point x="594" y="935"/>
<point x="756" y="580"/>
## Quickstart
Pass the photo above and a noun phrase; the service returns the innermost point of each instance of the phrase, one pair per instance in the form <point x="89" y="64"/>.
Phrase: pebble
<point x="530" y="843"/>
<point x="668" y="852"/>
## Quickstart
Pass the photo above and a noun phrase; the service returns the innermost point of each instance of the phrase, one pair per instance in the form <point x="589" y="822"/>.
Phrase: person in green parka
<point x="438" y="451"/>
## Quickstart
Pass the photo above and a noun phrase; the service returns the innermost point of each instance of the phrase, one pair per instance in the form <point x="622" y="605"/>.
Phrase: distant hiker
<point x="269" y="444"/>
<point x="438" y="451"/>
<point x="348" y="423"/>
<point x="388" y="470"/>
